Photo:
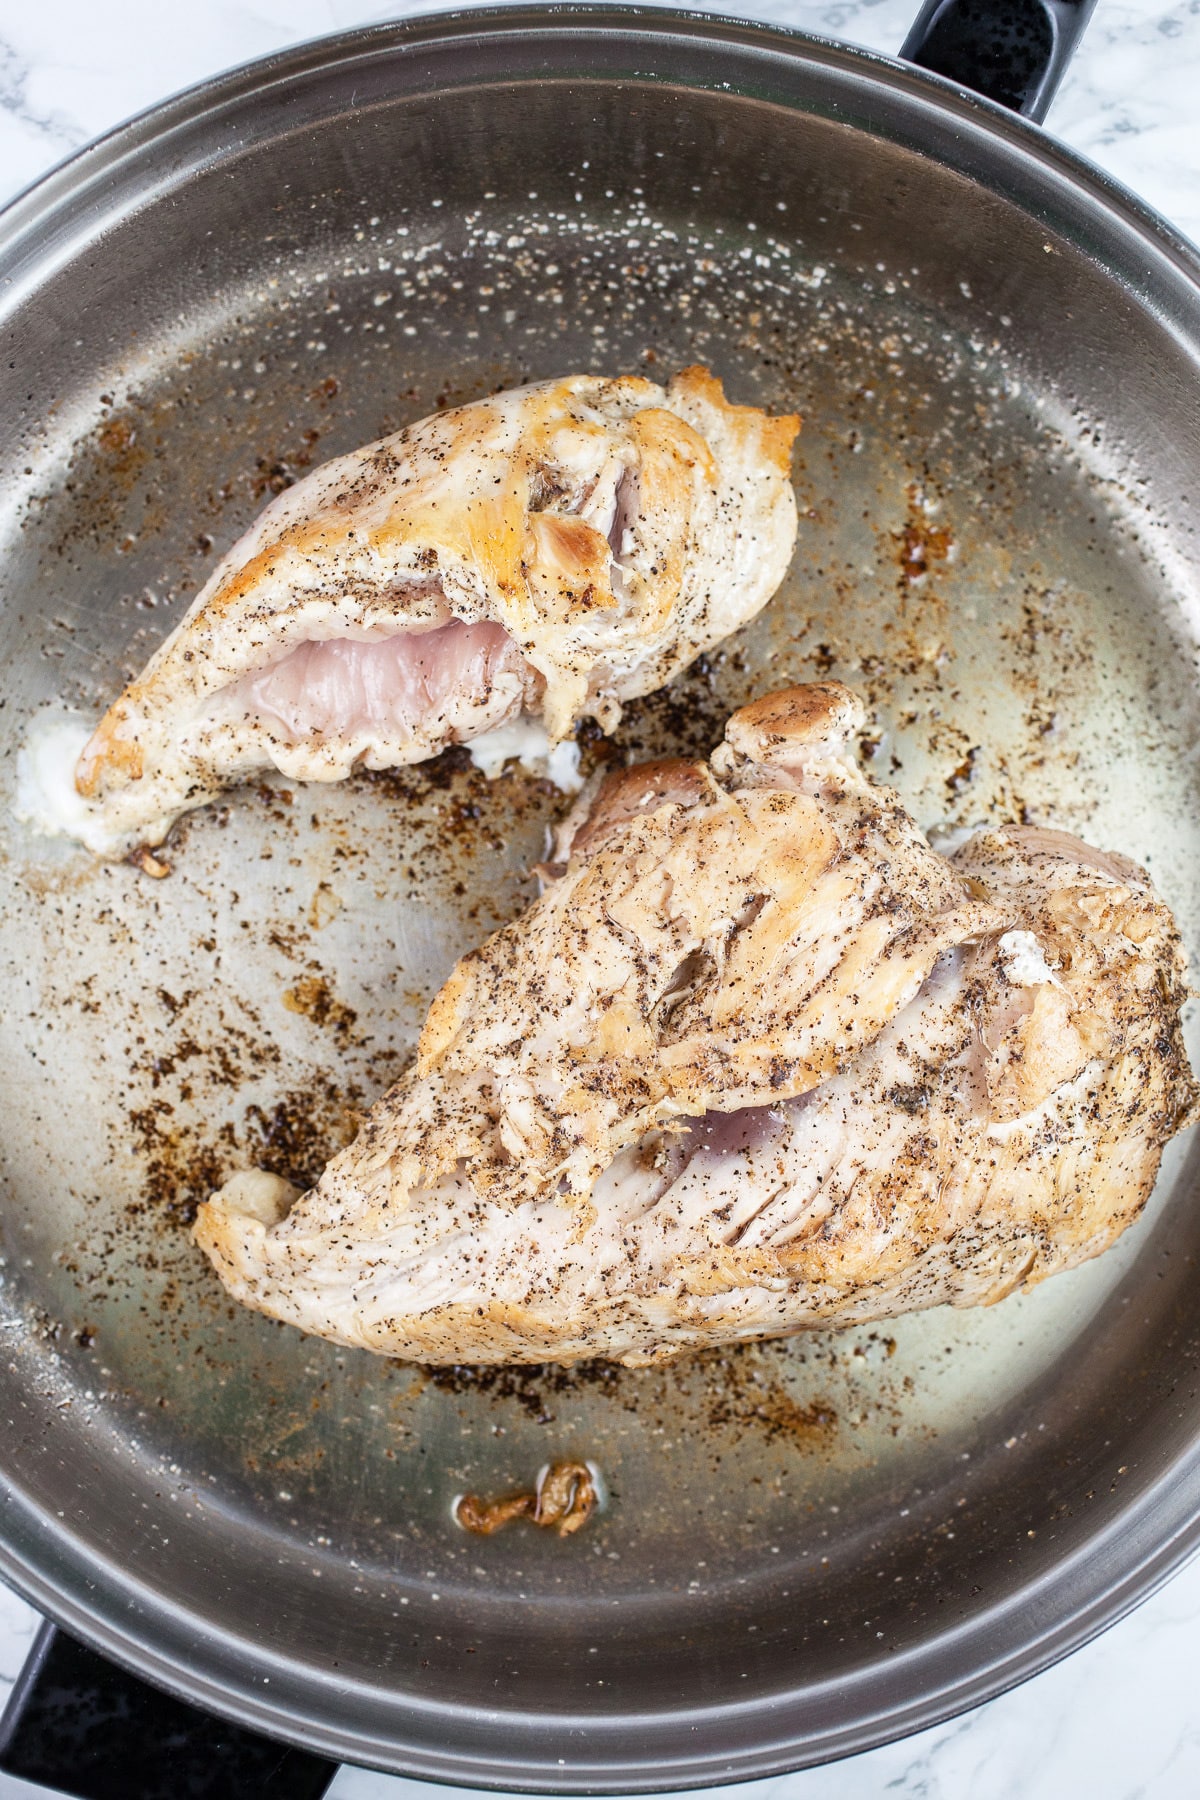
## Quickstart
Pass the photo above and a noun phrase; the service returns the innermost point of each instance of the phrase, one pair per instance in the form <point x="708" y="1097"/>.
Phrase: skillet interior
<point x="807" y="1546"/>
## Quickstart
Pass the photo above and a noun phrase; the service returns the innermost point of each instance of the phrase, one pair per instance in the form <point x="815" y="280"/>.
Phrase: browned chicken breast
<point x="545" y="554"/>
<point x="757" y="1060"/>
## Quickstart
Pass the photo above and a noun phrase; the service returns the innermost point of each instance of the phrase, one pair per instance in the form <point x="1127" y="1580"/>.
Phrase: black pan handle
<point x="78" y="1723"/>
<point x="1013" y="51"/>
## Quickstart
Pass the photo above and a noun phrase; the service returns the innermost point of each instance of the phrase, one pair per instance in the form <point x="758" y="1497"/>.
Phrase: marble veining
<point x="1119" y="1720"/>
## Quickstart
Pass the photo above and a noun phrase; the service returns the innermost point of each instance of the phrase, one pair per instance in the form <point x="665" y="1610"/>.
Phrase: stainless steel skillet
<point x="806" y="1548"/>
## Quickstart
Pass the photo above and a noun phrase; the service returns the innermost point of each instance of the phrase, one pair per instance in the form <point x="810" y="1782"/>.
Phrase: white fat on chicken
<point x="526" y="741"/>
<point x="530" y="559"/>
<point x="758" y="1060"/>
<point x="1024" y="959"/>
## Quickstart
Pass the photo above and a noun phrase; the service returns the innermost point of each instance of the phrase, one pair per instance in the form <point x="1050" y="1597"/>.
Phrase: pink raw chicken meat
<point x="393" y="684"/>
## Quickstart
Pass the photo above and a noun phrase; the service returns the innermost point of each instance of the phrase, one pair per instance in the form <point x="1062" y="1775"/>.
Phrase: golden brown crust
<point x="446" y="1012"/>
<point x="773" y="434"/>
<point x="107" y="751"/>
<point x="632" y="793"/>
<point x="567" y="567"/>
<point x="427" y="510"/>
<point x="770" y="728"/>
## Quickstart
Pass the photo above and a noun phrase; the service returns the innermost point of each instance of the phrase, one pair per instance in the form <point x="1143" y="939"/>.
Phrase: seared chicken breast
<point x="757" y="1060"/>
<point x="550" y="552"/>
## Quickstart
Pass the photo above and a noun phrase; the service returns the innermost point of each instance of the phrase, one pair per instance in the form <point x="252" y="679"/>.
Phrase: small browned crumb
<point x="564" y="1500"/>
<point x="566" y="1497"/>
<point x="483" y="1517"/>
<point x="117" y="436"/>
<point x="143" y="858"/>
<point x="313" y="999"/>
<point x="921" y="544"/>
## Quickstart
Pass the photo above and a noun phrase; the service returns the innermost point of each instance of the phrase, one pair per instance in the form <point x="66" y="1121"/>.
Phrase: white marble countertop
<point x="1119" y="1720"/>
